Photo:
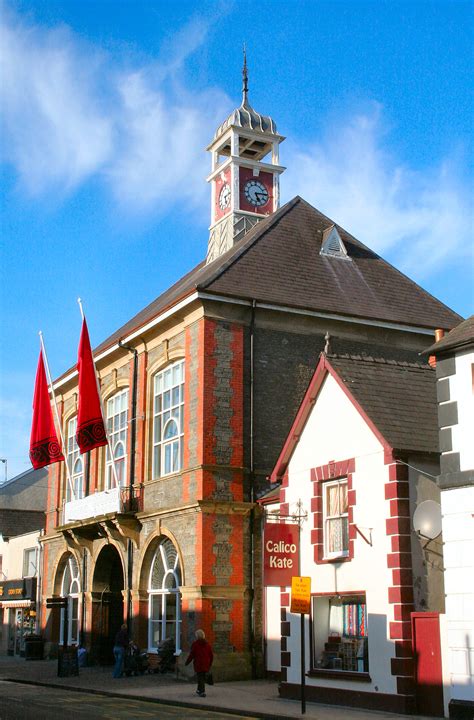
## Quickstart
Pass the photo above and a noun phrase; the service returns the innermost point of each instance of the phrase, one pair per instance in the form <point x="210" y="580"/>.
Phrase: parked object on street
<point x="135" y="661"/>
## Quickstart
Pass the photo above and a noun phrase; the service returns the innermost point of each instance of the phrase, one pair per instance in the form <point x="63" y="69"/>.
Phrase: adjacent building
<point x="454" y="355"/>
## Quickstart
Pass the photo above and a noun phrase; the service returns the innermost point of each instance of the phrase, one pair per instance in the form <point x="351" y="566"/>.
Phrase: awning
<point x="16" y="603"/>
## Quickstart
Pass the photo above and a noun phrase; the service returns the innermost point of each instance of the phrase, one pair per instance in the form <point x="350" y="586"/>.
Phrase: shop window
<point x="335" y="519"/>
<point x="164" y="603"/>
<point x="29" y="562"/>
<point x="168" y="420"/>
<point x="70" y="588"/>
<point x="117" y="425"/>
<point x="74" y="463"/>
<point x="340" y="633"/>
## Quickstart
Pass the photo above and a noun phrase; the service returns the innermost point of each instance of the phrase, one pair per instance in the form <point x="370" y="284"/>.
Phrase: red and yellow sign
<point x="300" y="595"/>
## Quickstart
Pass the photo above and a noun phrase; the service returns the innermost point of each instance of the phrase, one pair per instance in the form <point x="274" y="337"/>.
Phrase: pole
<point x="302" y="660"/>
<point x="104" y="417"/>
<point x="68" y="474"/>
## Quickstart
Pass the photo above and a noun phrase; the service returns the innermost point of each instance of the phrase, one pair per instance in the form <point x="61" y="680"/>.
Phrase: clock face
<point x="224" y="197"/>
<point x="256" y="193"/>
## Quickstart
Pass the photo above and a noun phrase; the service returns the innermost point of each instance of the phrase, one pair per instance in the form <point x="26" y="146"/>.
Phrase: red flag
<point x="44" y="446"/>
<point x="90" y="424"/>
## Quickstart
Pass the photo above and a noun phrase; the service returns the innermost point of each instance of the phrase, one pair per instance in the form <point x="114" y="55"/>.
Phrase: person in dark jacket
<point x="121" y="643"/>
<point x="202" y="656"/>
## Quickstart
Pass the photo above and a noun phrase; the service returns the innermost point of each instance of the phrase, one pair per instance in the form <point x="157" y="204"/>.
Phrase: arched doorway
<point x="107" y="603"/>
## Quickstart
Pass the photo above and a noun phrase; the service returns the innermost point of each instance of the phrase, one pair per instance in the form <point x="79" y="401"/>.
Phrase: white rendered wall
<point x="12" y="552"/>
<point x="457" y="507"/>
<point x="336" y="431"/>
<point x="461" y="390"/>
<point x="273" y="629"/>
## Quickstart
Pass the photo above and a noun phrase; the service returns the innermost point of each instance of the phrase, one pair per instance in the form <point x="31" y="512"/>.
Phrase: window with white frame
<point x="335" y="519"/>
<point x="29" y="562"/>
<point x="168" y="418"/>
<point x="340" y="633"/>
<point x="75" y="463"/>
<point x="164" y="599"/>
<point x="117" y="425"/>
<point x="70" y="588"/>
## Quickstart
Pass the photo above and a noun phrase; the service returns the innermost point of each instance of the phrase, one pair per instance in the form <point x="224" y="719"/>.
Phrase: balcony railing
<point x="115" y="500"/>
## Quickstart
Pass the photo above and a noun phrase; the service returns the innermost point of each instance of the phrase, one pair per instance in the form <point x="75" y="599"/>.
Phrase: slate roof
<point x="399" y="397"/>
<point x="278" y="262"/>
<point x="462" y="334"/>
<point x="20" y="522"/>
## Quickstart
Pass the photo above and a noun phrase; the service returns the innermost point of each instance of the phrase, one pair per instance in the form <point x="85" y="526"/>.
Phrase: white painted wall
<point x="336" y="431"/>
<point x="457" y="506"/>
<point x="461" y="390"/>
<point x="12" y="552"/>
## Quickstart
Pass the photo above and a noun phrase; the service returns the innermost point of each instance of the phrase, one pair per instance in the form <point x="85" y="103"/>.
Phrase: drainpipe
<point x="252" y="499"/>
<point x="133" y="439"/>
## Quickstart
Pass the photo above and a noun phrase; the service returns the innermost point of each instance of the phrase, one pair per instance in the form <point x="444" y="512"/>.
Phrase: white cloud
<point x="69" y="115"/>
<point x="55" y="132"/>
<point x="420" y="217"/>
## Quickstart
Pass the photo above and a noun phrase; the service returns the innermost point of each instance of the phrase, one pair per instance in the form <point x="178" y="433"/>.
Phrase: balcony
<point x="108" y="514"/>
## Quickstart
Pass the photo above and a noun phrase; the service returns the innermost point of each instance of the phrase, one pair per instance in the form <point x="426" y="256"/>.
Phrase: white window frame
<point x="72" y="592"/>
<point x="117" y="425"/>
<point x="329" y="555"/>
<point x="160" y="595"/>
<point x="74" y="462"/>
<point x="168" y="410"/>
<point x="26" y="563"/>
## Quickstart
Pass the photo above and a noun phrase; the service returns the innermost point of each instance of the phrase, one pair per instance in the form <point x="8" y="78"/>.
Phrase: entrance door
<point x="428" y="671"/>
<point x="107" y="593"/>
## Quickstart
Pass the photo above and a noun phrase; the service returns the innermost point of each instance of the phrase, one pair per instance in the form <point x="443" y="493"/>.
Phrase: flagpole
<point x="104" y="417"/>
<point x="45" y="357"/>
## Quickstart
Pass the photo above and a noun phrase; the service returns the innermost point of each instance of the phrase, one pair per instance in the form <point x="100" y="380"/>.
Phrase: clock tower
<point x="245" y="174"/>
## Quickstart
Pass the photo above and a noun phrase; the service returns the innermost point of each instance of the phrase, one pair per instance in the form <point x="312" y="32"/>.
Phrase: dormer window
<point x="332" y="244"/>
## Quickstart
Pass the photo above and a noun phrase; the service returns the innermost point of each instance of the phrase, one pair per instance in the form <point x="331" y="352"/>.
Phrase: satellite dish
<point x="427" y="519"/>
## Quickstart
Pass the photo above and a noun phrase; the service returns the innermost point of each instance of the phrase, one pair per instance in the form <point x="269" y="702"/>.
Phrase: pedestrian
<point x="202" y="656"/>
<point x="121" y="643"/>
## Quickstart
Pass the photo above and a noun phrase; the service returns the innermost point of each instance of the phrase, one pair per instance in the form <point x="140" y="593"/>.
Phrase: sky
<point x="107" y="107"/>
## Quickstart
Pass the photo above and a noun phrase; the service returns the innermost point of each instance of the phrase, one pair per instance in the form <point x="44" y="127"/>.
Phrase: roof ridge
<point x="261" y="228"/>
<point x="380" y="360"/>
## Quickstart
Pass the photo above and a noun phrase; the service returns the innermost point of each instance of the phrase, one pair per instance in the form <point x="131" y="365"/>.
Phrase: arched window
<point x="74" y="463"/>
<point x="70" y="588"/>
<point x="168" y="417"/>
<point x="117" y="424"/>
<point x="164" y="603"/>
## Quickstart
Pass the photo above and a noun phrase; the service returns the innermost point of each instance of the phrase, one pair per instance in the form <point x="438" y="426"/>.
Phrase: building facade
<point x="361" y="455"/>
<point x="199" y="390"/>
<point x="455" y="374"/>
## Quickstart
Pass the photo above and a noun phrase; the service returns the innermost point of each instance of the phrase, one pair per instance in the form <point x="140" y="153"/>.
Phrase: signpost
<point x="300" y="603"/>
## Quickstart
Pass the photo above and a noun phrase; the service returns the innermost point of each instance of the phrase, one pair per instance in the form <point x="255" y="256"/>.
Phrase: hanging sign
<point x="300" y="595"/>
<point x="281" y="548"/>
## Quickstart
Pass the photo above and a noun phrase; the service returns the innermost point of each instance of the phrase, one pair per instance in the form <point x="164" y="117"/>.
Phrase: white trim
<point x="315" y="313"/>
<point x="236" y="301"/>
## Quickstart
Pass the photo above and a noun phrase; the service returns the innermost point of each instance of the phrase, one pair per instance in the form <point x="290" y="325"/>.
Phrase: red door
<point x="428" y="670"/>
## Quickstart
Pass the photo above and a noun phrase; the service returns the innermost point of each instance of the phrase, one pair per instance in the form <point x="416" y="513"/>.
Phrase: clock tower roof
<point x="245" y="116"/>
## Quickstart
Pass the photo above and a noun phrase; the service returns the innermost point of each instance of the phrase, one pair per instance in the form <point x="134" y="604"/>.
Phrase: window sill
<point x="341" y="674"/>
<point x="338" y="559"/>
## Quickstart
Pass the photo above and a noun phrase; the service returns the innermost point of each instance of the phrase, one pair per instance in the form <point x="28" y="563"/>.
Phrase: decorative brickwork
<point x="320" y="475"/>
<point x="399" y="561"/>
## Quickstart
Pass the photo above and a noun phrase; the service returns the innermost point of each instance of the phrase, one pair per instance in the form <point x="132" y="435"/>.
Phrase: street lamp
<point x="5" y="462"/>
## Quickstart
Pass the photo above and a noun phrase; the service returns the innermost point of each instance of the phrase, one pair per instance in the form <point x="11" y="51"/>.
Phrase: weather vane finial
<point x="245" y="79"/>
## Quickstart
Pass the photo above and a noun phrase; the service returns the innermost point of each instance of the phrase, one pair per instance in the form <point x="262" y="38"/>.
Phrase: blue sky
<point x="107" y="106"/>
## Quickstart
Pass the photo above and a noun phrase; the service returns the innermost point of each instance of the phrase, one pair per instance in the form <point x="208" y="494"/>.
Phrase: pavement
<point x="256" y="698"/>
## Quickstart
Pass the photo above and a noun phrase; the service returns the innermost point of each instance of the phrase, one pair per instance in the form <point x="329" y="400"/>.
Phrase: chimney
<point x="439" y="333"/>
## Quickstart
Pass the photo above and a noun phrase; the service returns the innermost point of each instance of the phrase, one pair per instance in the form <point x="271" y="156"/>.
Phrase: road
<point x="29" y="702"/>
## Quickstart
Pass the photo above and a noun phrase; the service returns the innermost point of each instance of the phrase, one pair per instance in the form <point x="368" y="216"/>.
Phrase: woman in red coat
<point x="202" y="656"/>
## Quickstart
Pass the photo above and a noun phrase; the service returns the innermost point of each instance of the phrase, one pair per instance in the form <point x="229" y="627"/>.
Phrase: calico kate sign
<point x="281" y="549"/>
